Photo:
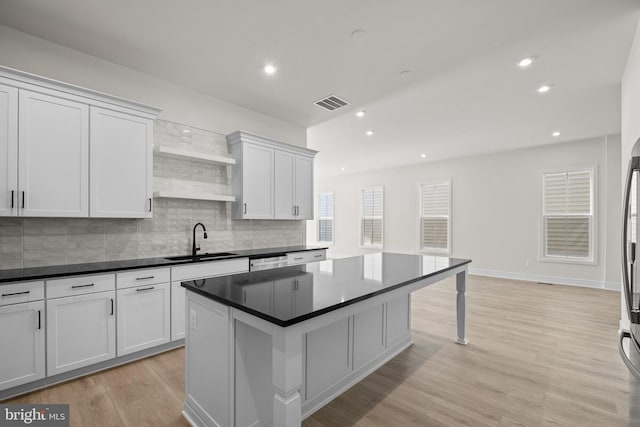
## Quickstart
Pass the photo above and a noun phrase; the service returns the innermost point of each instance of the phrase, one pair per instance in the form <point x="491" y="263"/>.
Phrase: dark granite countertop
<point x="39" y="273"/>
<point x="289" y="295"/>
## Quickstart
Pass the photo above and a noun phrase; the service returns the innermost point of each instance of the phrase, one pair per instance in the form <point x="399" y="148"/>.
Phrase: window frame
<point x="332" y="218"/>
<point x="434" y="251"/>
<point x="362" y="217"/>
<point x="593" y="218"/>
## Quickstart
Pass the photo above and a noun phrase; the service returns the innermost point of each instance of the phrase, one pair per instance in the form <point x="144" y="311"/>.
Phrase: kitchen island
<point x="272" y="347"/>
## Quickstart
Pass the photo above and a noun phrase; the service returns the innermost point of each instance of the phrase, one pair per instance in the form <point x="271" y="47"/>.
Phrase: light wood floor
<point x="539" y="355"/>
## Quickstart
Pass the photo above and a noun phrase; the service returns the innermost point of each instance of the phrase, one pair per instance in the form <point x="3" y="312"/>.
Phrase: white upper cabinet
<point x="304" y="187"/>
<point x="272" y="180"/>
<point x="256" y="200"/>
<point x="53" y="153"/>
<point x="284" y="191"/>
<point x="8" y="150"/>
<point x="56" y="139"/>
<point x="121" y="165"/>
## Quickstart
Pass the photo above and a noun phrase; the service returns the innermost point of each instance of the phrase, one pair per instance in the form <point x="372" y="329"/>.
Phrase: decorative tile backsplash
<point x="33" y="242"/>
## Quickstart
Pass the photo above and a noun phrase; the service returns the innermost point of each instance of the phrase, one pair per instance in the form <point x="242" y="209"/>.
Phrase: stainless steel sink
<point x="200" y="257"/>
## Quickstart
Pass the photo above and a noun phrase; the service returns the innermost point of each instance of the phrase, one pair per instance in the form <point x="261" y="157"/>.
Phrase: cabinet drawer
<point x="21" y="292"/>
<point x="80" y="285"/>
<point x="209" y="269"/>
<point x="303" y="257"/>
<point x="147" y="276"/>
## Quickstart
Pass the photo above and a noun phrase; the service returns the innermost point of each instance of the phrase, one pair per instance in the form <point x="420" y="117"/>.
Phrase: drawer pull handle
<point x="15" y="293"/>
<point x="145" y="289"/>
<point x="317" y="256"/>
<point x="298" y="258"/>
<point x="145" y="278"/>
<point x="39" y="319"/>
<point x="111" y="299"/>
<point x="83" y="286"/>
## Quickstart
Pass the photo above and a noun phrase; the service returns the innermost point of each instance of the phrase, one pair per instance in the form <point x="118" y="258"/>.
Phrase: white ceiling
<point x="465" y="94"/>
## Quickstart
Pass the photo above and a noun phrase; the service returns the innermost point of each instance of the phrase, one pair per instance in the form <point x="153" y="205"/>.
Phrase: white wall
<point x="630" y="119"/>
<point x="37" y="56"/>
<point x="496" y="202"/>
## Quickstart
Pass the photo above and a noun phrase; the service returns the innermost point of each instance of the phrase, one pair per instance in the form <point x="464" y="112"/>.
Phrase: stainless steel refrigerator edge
<point x="629" y="342"/>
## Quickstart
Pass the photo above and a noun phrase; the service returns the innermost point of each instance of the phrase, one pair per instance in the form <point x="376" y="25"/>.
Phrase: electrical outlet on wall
<point x="193" y="319"/>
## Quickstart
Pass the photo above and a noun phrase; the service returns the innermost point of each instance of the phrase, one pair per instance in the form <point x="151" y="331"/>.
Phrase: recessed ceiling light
<point x="342" y="169"/>
<point x="270" y="69"/>
<point x="525" y="62"/>
<point x="423" y="155"/>
<point x="556" y="134"/>
<point x="358" y="35"/>
<point x="360" y="113"/>
<point x="544" y="89"/>
<point x="369" y="132"/>
<point x="406" y="73"/>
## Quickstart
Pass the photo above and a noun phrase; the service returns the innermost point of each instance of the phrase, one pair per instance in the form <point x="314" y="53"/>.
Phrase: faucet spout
<point x="195" y="248"/>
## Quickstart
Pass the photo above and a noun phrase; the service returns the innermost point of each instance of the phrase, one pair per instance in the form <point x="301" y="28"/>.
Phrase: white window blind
<point x="568" y="215"/>
<point x="435" y="216"/>
<point x="372" y="210"/>
<point x="325" y="218"/>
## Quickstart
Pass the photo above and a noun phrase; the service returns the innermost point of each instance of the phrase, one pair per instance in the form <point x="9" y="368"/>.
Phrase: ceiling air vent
<point x="331" y="103"/>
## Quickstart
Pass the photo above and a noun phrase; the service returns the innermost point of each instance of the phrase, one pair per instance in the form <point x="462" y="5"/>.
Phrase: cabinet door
<point x="121" y="165"/>
<point x="22" y="335"/>
<point x="328" y="358"/>
<point x="81" y="331"/>
<point x="284" y="185"/>
<point x="8" y="151"/>
<point x="257" y="182"/>
<point x="304" y="187"/>
<point x="177" y="311"/>
<point x="143" y="318"/>
<point x="53" y="152"/>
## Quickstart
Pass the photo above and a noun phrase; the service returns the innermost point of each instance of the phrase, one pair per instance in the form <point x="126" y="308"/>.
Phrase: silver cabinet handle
<point x="294" y="210"/>
<point x="145" y="278"/>
<point x="39" y="319"/>
<point x="15" y="293"/>
<point x="111" y="299"/>
<point x="298" y="258"/>
<point x="317" y="256"/>
<point x="145" y="289"/>
<point x="12" y="201"/>
<point x="83" y="286"/>
<point x="245" y="208"/>
<point x="23" y="200"/>
<point x="150" y="204"/>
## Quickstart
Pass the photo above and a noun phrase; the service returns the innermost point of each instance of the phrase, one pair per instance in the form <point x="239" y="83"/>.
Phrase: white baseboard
<point x="556" y="280"/>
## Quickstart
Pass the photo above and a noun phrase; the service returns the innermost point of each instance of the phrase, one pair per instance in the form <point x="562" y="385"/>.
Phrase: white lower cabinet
<point x="328" y="357"/>
<point x="368" y="335"/>
<point x="144" y="317"/>
<point x="22" y="337"/>
<point x="81" y="331"/>
<point x="178" y="294"/>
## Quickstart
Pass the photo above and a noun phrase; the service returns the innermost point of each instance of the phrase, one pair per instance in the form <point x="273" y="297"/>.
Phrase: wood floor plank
<point x="539" y="355"/>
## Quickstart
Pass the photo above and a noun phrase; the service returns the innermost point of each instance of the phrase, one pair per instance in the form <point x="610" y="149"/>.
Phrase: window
<point x="325" y="218"/>
<point x="371" y="221"/>
<point x="435" y="217"/>
<point x="568" y="215"/>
